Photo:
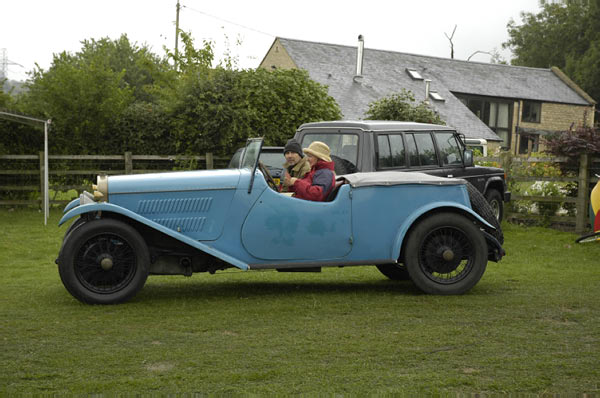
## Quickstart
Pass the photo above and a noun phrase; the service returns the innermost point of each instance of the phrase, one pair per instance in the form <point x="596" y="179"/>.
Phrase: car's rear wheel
<point x="104" y="261"/>
<point x="445" y="254"/>
<point x="396" y="272"/>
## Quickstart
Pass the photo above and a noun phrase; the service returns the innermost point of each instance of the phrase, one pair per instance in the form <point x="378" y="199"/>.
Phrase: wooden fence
<point x="29" y="179"/>
<point x="583" y="174"/>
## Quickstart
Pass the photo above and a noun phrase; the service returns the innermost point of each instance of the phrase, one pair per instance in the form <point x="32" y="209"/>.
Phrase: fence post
<point x="209" y="161"/>
<point x="582" y="194"/>
<point x="42" y="179"/>
<point x="128" y="163"/>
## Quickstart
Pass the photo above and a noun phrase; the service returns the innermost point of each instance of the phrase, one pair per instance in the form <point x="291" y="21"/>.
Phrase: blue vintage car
<point x="409" y="225"/>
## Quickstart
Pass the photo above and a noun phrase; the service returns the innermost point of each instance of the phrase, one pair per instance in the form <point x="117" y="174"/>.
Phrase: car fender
<point x="72" y="204"/>
<point x="409" y="221"/>
<point x="492" y="181"/>
<point x="108" y="207"/>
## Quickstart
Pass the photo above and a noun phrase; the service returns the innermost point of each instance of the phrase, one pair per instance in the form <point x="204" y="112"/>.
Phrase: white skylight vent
<point x="436" y="96"/>
<point x="414" y="74"/>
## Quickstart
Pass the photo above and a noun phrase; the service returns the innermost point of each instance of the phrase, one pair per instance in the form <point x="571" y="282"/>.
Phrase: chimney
<point x="427" y="83"/>
<point x="360" y="55"/>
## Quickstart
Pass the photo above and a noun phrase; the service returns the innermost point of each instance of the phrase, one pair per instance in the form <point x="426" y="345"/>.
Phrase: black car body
<point x="271" y="156"/>
<point x="367" y="146"/>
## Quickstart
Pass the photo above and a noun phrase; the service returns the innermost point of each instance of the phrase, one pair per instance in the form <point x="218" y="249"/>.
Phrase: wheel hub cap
<point x="448" y="255"/>
<point x="106" y="263"/>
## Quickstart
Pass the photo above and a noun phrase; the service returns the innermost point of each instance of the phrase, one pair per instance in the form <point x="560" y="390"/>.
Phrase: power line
<point x="229" y="22"/>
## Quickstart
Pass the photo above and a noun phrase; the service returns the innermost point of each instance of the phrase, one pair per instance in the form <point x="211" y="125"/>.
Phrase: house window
<point x="436" y="96"/>
<point x="531" y="112"/>
<point x="414" y="74"/>
<point x="497" y="114"/>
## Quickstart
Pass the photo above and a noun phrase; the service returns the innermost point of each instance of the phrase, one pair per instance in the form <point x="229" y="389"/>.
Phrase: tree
<point x="400" y="107"/>
<point x="5" y="98"/>
<point x="192" y="59"/>
<point x="566" y="35"/>
<point x="219" y="110"/>
<point x="86" y="94"/>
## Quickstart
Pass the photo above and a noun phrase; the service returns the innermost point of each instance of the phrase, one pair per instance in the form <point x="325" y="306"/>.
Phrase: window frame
<point x="377" y="151"/>
<point x="485" y="113"/>
<point x="459" y="146"/>
<point x="539" y="113"/>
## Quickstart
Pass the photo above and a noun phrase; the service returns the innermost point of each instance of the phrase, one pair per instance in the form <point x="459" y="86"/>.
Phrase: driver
<point x="296" y="164"/>
<point x="317" y="184"/>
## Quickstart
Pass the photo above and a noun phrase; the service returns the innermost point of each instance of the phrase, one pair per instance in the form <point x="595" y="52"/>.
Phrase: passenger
<point x="296" y="164"/>
<point x="317" y="184"/>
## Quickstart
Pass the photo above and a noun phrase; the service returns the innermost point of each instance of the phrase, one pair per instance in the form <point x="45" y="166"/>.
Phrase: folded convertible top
<point x="397" y="178"/>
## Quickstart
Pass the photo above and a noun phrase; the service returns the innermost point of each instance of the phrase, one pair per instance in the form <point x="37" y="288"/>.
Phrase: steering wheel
<point x="270" y="181"/>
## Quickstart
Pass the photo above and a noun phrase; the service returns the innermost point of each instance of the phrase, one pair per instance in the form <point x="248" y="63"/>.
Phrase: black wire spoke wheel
<point x="445" y="253"/>
<point x="105" y="264"/>
<point x="104" y="261"/>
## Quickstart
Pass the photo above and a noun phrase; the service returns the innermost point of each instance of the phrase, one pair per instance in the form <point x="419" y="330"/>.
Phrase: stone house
<point x="509" y="106"/>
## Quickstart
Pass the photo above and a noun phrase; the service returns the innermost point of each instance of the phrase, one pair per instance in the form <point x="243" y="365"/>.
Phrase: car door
<point x="279" y="227"/>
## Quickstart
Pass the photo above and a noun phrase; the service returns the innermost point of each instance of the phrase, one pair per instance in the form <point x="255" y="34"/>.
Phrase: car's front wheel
<point x="445" y="254"/>
<point x="104" y="261"/>
<point x="494" y="198"/>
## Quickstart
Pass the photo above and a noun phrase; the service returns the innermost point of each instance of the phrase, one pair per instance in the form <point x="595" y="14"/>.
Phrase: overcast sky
<point x="31" y="31"/>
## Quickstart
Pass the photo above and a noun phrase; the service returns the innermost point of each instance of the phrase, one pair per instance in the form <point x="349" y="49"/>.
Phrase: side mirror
<point x="468" y="157"/>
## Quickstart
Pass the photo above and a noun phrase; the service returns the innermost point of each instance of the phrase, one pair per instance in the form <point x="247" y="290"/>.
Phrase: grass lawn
<point x="531" y="325"/>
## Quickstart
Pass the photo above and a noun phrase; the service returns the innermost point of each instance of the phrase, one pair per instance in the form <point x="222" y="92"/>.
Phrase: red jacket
<point x="317" y="184"/>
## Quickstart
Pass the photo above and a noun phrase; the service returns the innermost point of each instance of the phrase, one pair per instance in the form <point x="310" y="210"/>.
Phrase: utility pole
<point x="178" y="7"/>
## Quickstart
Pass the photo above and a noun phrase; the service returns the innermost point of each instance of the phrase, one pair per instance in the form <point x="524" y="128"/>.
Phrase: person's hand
<point x="288" y="180"/>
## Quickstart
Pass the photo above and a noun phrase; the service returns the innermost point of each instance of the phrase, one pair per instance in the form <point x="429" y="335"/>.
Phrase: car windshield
<point x="251" y="153"/>
<point x="250" y="158"/>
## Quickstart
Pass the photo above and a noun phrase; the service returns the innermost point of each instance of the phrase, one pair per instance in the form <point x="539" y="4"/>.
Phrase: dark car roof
<point x="375" y="125"/>
<point x="266" y="149"/>
<point x="272" y="149"/>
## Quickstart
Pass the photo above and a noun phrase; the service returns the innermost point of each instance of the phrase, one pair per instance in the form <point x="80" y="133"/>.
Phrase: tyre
<point x="74" y="225"/>
<point x="103" y="261"/>
<point x="494" y="199"/>
<point x="343" y="166"/>
<point x="445" y="254"/>
<point x="481" y="206"/>
<point x="395" y="272"/>
<point x="593" y="237"/>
